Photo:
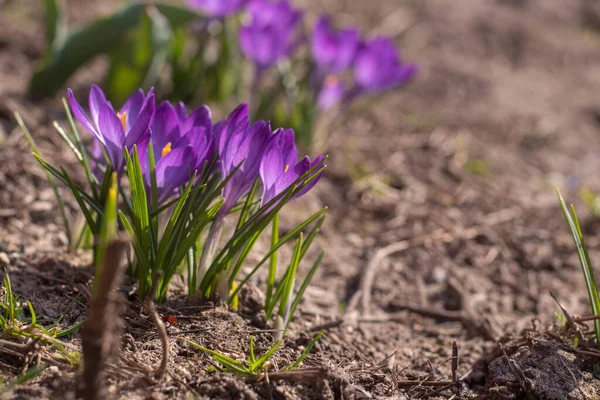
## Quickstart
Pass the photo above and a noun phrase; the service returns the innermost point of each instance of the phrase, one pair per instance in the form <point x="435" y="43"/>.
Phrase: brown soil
<point x="444" y="224"/>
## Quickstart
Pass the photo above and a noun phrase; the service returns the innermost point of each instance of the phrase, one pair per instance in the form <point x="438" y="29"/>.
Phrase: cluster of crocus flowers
<point x="183" y="144"/>
<point x="375" y="64"/>
<point x="164" y="159"/>
<point x="346" y="65"/>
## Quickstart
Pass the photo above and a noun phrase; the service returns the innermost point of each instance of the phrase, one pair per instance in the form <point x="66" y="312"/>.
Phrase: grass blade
<point x="272" y="263"/>
<point x="304" y="353"/>
<point x="51" y="181"/>
<point x="584" y="259"/>
<point x="256" y="365"/>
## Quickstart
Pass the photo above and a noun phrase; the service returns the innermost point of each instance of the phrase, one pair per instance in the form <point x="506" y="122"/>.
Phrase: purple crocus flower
<point x="241" y="143"/>
<point x="173" y="128"/>
<point x="378" y="66"/>
<point x="271" y="34"/>
<point x="181" y="144"/>
<point x="217" y="8"/>
<point x="279" y="169"/>
<point x="115" y="130"/>
<point x="332" y="92"/>
<point x="333" y="51"/>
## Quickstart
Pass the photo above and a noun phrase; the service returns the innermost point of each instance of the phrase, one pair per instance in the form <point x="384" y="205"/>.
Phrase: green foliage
<point x="254" y="367"/>
<point x="15" y="324"/>
<point x="51" y="181"/>
<point x="25" y="377"/>
<point x="584" y="260"/>
<point x="138" y="61"/>
<point x="106" y="35"/>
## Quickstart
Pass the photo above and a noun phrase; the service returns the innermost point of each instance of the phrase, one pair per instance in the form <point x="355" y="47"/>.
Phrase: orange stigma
<point x="331" y="80"/>
<point x="166" y="150"/>
<point x="286" y="169"/>
<point x="123" y="119"/>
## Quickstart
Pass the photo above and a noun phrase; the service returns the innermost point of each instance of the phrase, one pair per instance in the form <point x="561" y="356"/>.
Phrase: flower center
<point x="286" y="169"/>
<point x="123" y="119"/>
<point x="166" y="150"/>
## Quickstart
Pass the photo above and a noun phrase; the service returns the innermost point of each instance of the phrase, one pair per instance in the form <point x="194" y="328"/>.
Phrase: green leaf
<point x="304" y="353"/>
<point x="11" y="304"/>
<point x="64" y="178"/>
<point x="31" y="373"/>
<point x="100" y="36"/>
<point x="144" y="232"/>
<point x="272" y="262"/>
<point x="303" y="287"/>
<point x="251" y="357"/>
<point x="229" y="363"/>
<point x="258" y="364"/>
<point x="79" y="198"/>
<point x="51" y="181"/>
<point x="584" y="259"/>
<point x="243" y="256"/>
<point x="291" y="234"/>
<point x="108" y="226"/>
<point x="138" y="61"/>
<point x="55" y="25"/>
<point x="32" y="312"/>
<point x="288" y="282"/>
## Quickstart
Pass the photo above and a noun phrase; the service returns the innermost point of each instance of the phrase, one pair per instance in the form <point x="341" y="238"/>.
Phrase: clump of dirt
<point x="545" y="369"/>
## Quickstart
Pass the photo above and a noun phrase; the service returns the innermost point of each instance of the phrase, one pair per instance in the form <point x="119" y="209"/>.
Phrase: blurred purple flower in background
<point x="240" y="143"/>
<point x="378" y="66"/>
<point x="332" y="92"/>
<point x="271" y="34"/>
<point x="115" y="130"/>
<point x="333" y="51"/>
<point x="217" y="8"/>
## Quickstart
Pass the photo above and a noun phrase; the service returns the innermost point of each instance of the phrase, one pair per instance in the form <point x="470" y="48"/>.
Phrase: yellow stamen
<point x="123" y="119"/>
<point x="166" y="150"/>
<point x="286" y="169"/>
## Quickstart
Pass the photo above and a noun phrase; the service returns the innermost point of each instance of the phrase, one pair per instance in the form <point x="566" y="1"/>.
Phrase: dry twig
<point x="100" y="335"/>
<point x="160" y="326"/>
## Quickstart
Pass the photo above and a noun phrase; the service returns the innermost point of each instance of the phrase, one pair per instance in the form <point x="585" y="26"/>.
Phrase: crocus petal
<point x="181" y="111"/>
<point x="288" y="147"/>
<point x="237" y="119"/>
<point x="323" y="45"/>
<point x="82" y="117"/>
<point x="110" y="125"/>
<point x="112" y="130"/>
<point x="378" y="66"/>
<point x="132" y="106"/>
<point x="199" y="117"/>
<point x="302" y="167"/>
<point x="142" y="150"/>
<point x="349" y="41"/>
<point x="271" y="166"/>
<point x="165" y="127"/>
<point x="270" y="35"/>
<point x="96" y="100"/>
<point x="173" y="170"/>
<point x="142" y="122"/>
